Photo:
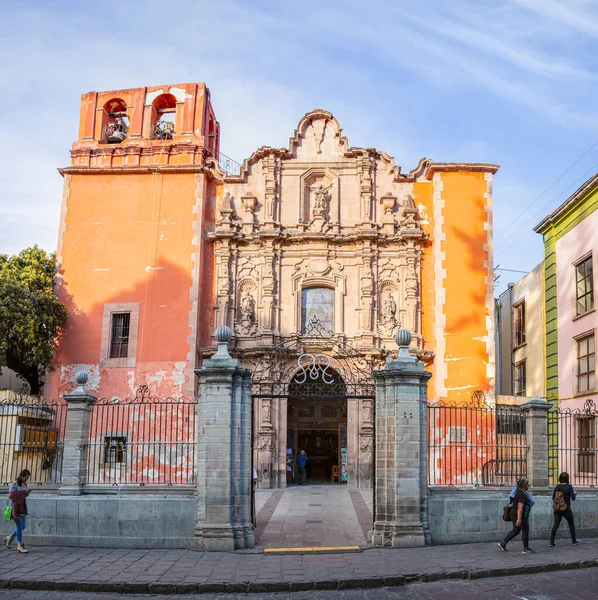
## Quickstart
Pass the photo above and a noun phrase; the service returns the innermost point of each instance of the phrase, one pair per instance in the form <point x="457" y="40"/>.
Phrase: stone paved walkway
<point x="313" y="516"/>
<point x="185" y="571"/>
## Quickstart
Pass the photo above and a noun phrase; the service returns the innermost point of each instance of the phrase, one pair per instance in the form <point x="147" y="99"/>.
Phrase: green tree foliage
<point x="31" y="317"/>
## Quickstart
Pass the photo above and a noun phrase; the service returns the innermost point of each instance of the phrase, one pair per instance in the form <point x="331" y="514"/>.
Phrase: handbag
<point x="506" y="513"/>
<point x="7" y="513"/>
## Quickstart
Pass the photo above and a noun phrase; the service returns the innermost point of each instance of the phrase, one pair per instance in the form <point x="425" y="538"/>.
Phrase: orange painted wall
<point x="466" y="287"/>
<point x="423" y="196"/>
<point x="128" y="238"/>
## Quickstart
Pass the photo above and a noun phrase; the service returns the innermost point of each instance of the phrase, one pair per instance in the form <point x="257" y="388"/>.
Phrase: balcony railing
<point x="226" y="164"/>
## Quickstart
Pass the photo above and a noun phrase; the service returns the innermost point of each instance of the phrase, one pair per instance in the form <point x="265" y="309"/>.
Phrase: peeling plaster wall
<point x="129" y="238"/>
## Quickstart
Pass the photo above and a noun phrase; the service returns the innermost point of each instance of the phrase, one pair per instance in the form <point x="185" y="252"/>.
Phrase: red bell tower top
<point x="159" y="125"/>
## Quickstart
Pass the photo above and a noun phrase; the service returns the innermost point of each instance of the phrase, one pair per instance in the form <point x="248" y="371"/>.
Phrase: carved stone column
<point x="270" y="171"/>
<point x="366" y="188"/>
<point x="366" y="444"/>
<point x="266" y="444"/>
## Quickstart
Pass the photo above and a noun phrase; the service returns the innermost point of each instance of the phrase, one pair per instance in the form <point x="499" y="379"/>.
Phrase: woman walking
<point x="17" y="497"/>
<point x="520" y="511"/>
<point x="561" y="496"/>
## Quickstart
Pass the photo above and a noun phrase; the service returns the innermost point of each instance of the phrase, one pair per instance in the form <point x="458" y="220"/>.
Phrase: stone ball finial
<point x="403" y="338"/>
<point x="223" y="334"/>
<point x="81" y="377"/>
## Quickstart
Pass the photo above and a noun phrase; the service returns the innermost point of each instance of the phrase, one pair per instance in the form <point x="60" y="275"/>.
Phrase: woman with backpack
<point x="561" y="507"/>
<point x="520" y="510"/>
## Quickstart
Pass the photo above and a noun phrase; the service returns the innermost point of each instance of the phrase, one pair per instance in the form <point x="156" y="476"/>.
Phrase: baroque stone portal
<point x="324" y="234"/>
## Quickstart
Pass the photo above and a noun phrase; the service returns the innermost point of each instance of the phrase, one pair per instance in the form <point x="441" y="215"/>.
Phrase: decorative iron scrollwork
<point x="313" y="370"/>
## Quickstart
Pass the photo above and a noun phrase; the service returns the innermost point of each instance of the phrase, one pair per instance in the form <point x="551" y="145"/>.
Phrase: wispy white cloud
<point x="511" y="82"/>
<point x="579" y="15"/>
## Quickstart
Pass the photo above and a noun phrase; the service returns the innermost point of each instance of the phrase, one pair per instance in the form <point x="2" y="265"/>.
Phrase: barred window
<point x="586" y="435"/>
<point x="510" y="422"/>
<point x="584" y="286"/>
<point x="519" y="378"/>
<point x="119" y="335"/>
<point x="586" y="365"/>
<point x="114" y="449"/>
<point x="519" y="315"/>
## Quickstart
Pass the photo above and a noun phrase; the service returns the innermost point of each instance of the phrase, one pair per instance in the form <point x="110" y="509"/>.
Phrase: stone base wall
<point x="462" y="515"/>
<point x="112" y="521"/>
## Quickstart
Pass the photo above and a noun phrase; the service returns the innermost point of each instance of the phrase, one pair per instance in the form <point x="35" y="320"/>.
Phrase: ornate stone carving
<point x="226" y="210"/>
<point x="247" y="323"/>
<point x="410" y="214"/>
<point x="267" y="412"/>
<point x="249" y="203"/>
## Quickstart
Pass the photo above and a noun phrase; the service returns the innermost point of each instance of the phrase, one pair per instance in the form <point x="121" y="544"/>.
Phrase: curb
<point x="289" y="586"/>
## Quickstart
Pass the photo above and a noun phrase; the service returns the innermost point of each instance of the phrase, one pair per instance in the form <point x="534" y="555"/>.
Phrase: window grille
<point x="584" y="286"/>
<point x="586" y="434"/>
<point x="510" y="422"/>
<point x="519" y="323"/>
<point x="520" y="378"/>
<point x="586" y="364"/>
<point x="119" y="335"/>
<point x="114" y="449"/>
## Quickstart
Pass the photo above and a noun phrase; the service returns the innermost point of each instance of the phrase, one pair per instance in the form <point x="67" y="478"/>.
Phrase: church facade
<point x="313" y="254"/>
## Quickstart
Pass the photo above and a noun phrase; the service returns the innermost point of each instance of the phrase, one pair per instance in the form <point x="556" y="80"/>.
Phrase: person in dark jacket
<point x="17" y="497"/>
<point x="520" y="511"/>
<point x="302" y="464"/>
<point x="568" y="495"/>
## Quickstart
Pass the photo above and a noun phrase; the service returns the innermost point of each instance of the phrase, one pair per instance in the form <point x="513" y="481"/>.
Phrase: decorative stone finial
<point x="223" y="336"/>
<point x="403" y="339"/>
<point x="81" y="378"/>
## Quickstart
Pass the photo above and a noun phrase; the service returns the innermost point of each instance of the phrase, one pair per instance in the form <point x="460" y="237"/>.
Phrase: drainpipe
<point x="511" y="286"/>
<point x="498" y="338"/>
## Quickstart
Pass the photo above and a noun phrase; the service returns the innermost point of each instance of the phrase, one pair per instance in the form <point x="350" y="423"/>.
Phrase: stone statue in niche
<point x="388" y="319"/>
<point x="248" y="308"/>
<point x="247" y="323"/>
<point x="321" y="199"/>
<point x="390" y="308"/>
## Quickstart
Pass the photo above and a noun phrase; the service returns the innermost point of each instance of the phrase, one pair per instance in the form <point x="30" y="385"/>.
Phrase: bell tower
<point x="134" y="264"/>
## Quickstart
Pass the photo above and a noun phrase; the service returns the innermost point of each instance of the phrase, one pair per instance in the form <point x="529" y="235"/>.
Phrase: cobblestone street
<point x="184" y="571"/>
<point x="566" y="585"/>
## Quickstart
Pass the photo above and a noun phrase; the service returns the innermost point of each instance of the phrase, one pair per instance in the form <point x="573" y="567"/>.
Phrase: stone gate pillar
<point x="76" y="438"/>
<point x="400" y="513"/>
<point x="224" y="451"/>
<point x="536" y="428"/>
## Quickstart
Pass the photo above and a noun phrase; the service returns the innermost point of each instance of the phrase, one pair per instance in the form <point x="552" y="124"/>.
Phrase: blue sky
<point x="513" y="82"/>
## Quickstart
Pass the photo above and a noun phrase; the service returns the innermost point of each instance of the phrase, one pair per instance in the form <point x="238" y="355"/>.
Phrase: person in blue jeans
<point x="302" y="464"/>
<point x="17" y="495"/>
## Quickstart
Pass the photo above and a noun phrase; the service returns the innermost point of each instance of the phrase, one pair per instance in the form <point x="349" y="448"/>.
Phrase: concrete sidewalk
<point x="185" y="571"/>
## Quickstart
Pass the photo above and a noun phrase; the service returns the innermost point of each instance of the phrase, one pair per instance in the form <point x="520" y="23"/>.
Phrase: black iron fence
<point x="572" y="444"/>
<point x="143" y="440"/>
<point x="476" y="444"/>
<point x="228" y="165"/>
<point x="32" y="433"/>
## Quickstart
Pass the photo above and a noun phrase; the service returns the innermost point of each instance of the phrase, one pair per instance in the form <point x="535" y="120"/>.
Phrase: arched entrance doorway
<point x="317" y="422"/>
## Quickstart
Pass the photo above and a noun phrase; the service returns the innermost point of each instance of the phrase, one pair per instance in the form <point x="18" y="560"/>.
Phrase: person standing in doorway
<point x="302" y="465"/>
<point x="17" y="497"/>
<point x="561" y="506"/>
<point x="520" y="511"/>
